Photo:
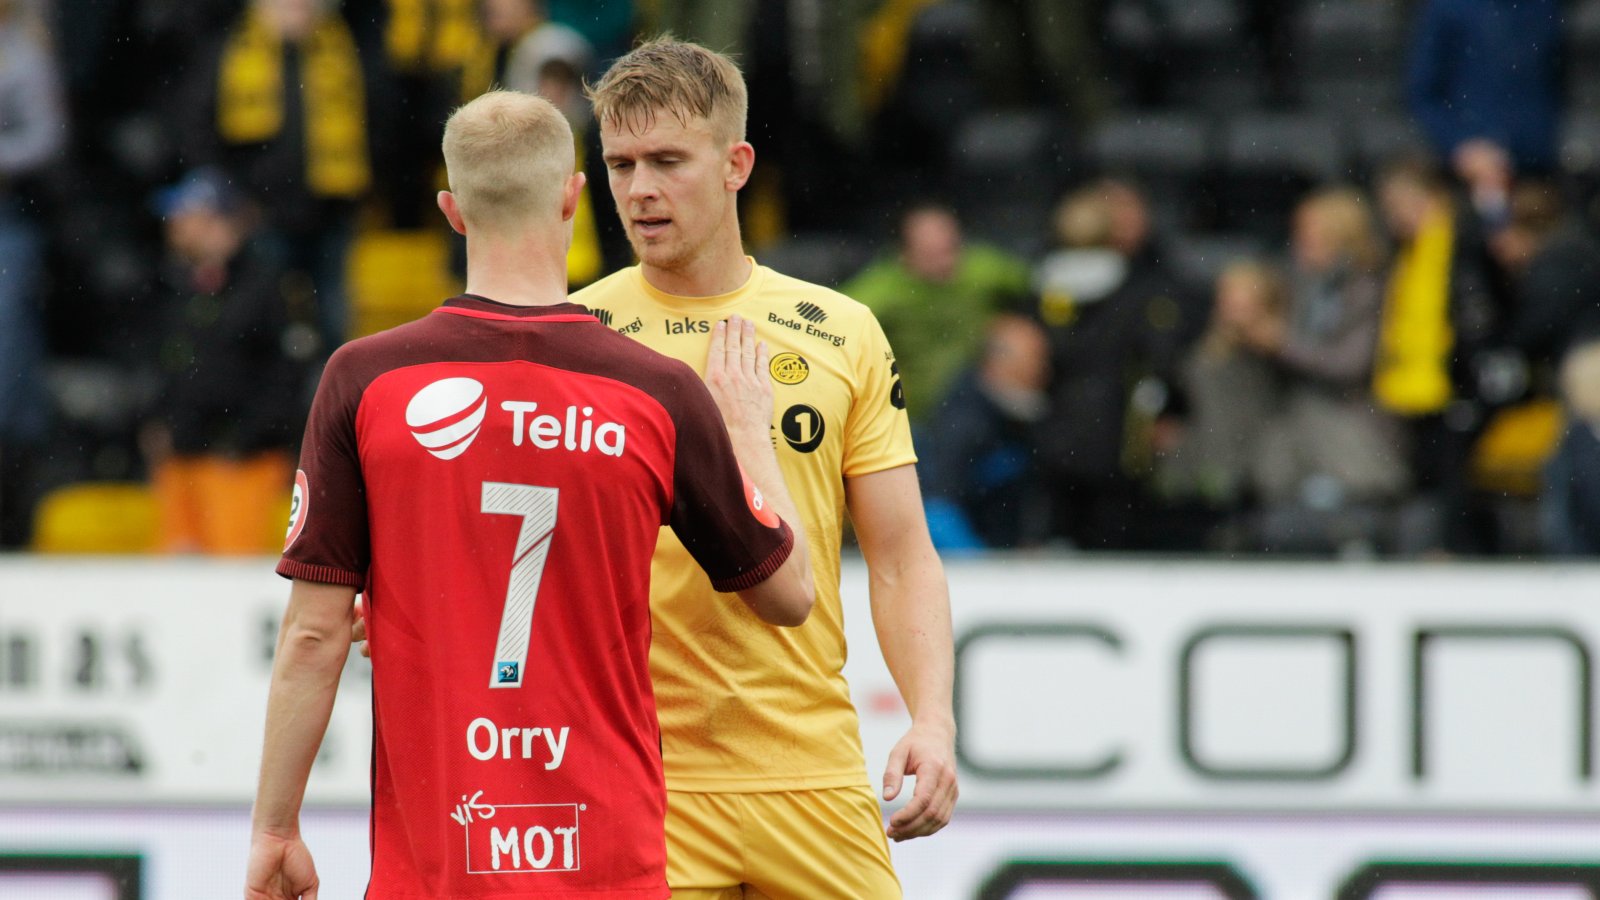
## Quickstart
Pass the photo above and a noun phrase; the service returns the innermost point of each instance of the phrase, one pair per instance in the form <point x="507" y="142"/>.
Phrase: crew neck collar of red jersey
<point x="483" y="308"/>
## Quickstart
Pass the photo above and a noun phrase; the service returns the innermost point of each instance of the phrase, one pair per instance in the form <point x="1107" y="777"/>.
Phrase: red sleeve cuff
<point x="290" y="568"/>
<point x="752" y="577"/>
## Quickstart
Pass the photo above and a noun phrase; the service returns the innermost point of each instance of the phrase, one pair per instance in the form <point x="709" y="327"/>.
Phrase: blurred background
<point x="1214" y="276"/>
<point x="1220" y="282"/>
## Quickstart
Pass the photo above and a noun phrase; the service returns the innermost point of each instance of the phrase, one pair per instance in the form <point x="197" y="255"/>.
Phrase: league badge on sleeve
<point x="297" y="508"/>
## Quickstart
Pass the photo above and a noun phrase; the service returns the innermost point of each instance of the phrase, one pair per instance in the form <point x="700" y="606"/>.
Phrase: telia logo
<point x="446" y="416"/>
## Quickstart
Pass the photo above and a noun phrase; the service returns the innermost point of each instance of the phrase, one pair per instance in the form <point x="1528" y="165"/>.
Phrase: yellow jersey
<point x="746" y="706"/>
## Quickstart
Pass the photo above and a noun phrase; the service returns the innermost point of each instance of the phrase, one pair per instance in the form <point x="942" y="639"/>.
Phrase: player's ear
<point x="741" y="160"/>
<point x="452" y="212"/>
<point x="569" y="199"/>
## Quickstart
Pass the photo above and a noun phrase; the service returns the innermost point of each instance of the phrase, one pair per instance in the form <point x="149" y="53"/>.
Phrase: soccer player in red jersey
<point x="493" y="478"/>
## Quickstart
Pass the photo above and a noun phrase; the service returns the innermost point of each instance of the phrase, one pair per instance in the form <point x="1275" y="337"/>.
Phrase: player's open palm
<point x="930" y="756"/>
<point x="736" y="375"/>
<point x="280" y="868"/>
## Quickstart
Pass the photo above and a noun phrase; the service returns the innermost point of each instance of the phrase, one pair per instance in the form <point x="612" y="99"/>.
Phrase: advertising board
<point x="1126" y="729"/>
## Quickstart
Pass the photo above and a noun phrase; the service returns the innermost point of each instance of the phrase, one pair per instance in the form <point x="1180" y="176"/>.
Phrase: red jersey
<point x="494" y="479"/>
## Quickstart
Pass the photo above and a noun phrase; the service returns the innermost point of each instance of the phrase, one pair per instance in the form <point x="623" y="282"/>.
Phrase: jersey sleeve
<point x="719" y="515"/>
<point x="328" y="530"/>
<point x="877" y="431"/>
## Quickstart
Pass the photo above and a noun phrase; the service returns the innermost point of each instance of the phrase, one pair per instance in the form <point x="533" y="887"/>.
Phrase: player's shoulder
<point x="364" y="358"/>
<point x="621" y="358"/>
<point x="813" y="302"/>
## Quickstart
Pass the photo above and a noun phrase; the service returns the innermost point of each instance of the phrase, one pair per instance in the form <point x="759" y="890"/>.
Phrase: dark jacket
<point x="1570" y="505"/>
<point x="980" y="457"/>
<point x="1557" y="298"/>
<point x="229" y="386"/>
<point x="1140" y="329"/>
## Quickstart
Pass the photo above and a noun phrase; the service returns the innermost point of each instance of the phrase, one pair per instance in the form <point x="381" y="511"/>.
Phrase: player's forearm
<point x="755" y="454"/>
<point x="911" y="612"/>
<point x="305" y="680"/>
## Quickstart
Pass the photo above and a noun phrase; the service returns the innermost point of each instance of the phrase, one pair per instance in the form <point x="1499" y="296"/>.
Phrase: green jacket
<point x="937" y="328"/>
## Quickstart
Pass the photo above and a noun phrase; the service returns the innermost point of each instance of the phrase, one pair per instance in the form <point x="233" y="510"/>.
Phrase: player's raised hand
<point x="928" y="754"/>
<point x="280" y="868"/>
<point x="736" y="375"/>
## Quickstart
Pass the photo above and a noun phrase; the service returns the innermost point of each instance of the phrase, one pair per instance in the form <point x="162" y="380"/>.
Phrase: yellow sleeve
<point x="877" y="431"/>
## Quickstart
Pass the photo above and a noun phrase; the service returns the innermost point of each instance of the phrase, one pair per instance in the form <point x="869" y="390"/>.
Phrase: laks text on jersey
<point x="687" y="325"/>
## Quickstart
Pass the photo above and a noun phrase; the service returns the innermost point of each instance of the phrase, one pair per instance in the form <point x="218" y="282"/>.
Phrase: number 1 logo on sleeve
<point x="537" y="507"/>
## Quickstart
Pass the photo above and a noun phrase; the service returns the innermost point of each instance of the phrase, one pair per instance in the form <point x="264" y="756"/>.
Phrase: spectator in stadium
<point x="1112" y="317"/>
<point x="1329" y="446"/>
<point x="218" y="442"/>
<point x="981" y="471"/>
<point x="1570" y="502"/>
<point x="32" y="131"/>
<point x="1179" y="312"/>
<point x="1555" y="267"/>
<point x="1042" y="52"/>
<point x="525" y="51"/>
<point x="286" y="104"/>
<point x="520" y="40"/>
<point x="416" y="55"/>
<point x="1232" y="390"/>
<point x="935" y="299"/>
<point x="1439" y="319"/>
<point x="1485" y="81"/>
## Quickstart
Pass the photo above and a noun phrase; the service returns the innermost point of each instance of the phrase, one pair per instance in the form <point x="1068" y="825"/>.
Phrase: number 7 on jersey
<point x="537" y="507"/>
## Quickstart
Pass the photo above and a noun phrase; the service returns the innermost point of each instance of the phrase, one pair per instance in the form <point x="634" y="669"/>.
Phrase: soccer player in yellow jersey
<point x="768" y="791"/>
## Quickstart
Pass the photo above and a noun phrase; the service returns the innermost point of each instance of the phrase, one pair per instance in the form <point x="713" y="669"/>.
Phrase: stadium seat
<point x="1580" y="161"/>
<point x="1376" y="139"/>
<point x="1345" y="36"/>
<point x="396" y="276"/>
<point x="96" y="517"/>
<point x="1582" y="25"/>
<point x="1580" y="144"/>
<point x="1269" y="161"/>
<point x="826" y="259"/>
<point x="998" y="143"/>
<point x="1202" y="257"/>
<point x="1152" y="144"/>
<point x="1353" y="98"/>
<point x="1303" y="144"/>
<point x="1221" y="92"/>
<point x="938" y="78"/>
<point x="1169" y="153"/>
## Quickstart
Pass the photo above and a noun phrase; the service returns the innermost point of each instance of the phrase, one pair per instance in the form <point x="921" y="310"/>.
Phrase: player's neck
<point x="721" y="268"/>
<point x="526" y="271"/>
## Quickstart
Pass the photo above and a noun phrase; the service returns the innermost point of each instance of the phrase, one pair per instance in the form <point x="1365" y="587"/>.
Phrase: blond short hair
<point x="507" y="156"/>
<point x="669" y="75"/>
<point x="1347" y="215"/>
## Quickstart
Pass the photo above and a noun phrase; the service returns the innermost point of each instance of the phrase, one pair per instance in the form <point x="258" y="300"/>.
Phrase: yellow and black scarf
<point x="1412" y="373"/>
<point x="431" y="35"/>
<point x="250" y="100"/>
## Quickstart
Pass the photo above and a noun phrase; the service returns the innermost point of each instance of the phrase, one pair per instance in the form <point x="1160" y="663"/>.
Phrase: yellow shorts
<point x="790" y="845"/>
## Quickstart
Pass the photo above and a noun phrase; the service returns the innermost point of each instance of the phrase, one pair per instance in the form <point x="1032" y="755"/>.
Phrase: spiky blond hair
<point x="666" y="75"/>
<point x="507" y="156"/>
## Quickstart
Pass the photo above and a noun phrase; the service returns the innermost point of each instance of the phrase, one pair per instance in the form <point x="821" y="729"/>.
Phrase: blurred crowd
<point x="1222" y="275"/>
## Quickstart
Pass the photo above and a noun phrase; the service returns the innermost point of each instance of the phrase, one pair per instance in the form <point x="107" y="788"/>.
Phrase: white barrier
<point x="1272" y="731"/>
